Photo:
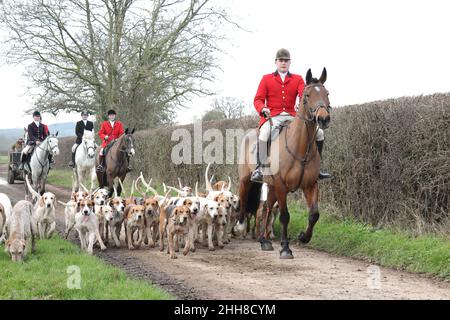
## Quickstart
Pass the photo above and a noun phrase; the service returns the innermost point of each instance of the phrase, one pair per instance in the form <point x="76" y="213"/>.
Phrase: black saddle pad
<point x="108" y="147"/>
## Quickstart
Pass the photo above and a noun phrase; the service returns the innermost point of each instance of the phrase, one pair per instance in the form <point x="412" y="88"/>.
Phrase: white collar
<point x="283" y="75"/>
<point x="112" y="122"/>
<point x="37" y="123"/>
<point x="85" y="122"/>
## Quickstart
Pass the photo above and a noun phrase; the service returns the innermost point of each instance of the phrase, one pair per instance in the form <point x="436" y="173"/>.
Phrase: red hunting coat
<point x="278" y="96"/>
<point x="112" y="133"/>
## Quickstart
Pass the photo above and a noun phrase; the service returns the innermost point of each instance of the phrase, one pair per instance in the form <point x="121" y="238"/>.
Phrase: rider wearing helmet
<point x="81" y="126"/>
<point x="276" y="97"/>
<point x="37" y="133"/>
<point x="110" y="130"/>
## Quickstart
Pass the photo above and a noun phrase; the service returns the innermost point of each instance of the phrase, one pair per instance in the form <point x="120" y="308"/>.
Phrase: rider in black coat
<point x="37" y="133"/>
<point x="81" y="126"/>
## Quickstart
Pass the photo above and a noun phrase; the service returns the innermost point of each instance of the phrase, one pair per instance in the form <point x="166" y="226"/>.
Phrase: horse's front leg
<point x="42" y="184"/>
<point x="281" y="194"/>
<point x="312" y="199"/>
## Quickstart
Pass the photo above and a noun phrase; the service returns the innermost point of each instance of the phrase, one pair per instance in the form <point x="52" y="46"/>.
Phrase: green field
<point x="61" y="178"/>
<point x="428" y="254"/>
<point x="47" y="273"/>
<point x="4" y="159"/>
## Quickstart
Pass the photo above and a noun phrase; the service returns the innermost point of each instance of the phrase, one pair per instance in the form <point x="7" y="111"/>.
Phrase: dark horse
<point x="117" y="161"/>
<point x="294" y="164"/>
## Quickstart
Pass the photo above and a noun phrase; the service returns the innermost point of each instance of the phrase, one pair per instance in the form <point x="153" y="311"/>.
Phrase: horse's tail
<point x="253" y="199"/>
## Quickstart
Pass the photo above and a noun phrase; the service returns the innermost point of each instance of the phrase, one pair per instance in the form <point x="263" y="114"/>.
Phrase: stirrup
<point x="257" y="176"/>
<point x="324" y="175"/>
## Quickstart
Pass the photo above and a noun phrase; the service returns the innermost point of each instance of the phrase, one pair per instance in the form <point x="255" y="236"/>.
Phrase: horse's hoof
<point x="266" y="245"/>
<point x="302" y="238"/>
<point x="286" y="254"/>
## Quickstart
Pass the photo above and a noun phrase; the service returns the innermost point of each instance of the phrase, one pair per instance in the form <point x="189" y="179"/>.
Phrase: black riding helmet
<point x="111" y="112"/>
<point x="37" y="114"/>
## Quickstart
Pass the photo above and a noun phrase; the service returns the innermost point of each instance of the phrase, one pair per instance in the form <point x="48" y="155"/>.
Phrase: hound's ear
<point x="41" y="201"/>
<point x="309" y="77"/>
<point x="323" y="77"/>
<point x="8" y="243"/>
<point x="216" y="198"/>
<point x="24" y="244"/>
<point x="126" y="131"/>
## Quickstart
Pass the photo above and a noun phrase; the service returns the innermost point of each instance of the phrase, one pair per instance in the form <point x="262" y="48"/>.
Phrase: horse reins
<point x="311" y="119"/>
<point x="47" y="152"/>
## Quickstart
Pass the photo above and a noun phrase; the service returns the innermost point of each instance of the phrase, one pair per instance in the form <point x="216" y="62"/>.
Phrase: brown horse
<point x="117" y="160"/>
<point x="294" y="164"/>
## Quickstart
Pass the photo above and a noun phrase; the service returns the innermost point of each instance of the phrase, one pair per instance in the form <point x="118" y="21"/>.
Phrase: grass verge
<point x="46" y="274"/>
<point x="427" y="254"/>
<point x="60" y="178"/>
<point x="4" y="159"/>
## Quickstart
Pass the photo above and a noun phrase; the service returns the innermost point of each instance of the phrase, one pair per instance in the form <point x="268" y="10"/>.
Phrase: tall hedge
<point x="390" y="160"/>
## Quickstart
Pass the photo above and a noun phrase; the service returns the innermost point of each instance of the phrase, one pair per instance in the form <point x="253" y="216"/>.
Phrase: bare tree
<point x="143" y="58"/>
<point x="231" y="107"/>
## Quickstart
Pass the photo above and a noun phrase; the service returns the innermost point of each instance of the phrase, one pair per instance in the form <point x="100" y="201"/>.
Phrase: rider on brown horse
<point x="110" y="130"/>
<point x="276" y="97"/>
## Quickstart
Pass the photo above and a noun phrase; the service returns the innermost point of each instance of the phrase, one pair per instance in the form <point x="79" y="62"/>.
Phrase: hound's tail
<point x="253" y="199"/>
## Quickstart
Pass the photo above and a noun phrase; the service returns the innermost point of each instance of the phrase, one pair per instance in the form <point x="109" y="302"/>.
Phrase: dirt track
<point x="243" y="271"/>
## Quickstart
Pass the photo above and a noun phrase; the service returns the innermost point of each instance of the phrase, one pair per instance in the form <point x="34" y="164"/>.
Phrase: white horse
<point x="85" y="161"/>
<point x="39" y="163"/>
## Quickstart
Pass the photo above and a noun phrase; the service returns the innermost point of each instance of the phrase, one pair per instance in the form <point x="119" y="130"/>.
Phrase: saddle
<point x="274" y="134"/>
<point x="108" y="147"/>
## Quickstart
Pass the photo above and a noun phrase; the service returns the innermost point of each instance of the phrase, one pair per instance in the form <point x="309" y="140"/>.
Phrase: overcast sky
<point x="372" y="50"/>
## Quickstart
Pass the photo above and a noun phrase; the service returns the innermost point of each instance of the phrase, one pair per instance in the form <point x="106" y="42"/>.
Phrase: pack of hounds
<point x="189" y="220"/>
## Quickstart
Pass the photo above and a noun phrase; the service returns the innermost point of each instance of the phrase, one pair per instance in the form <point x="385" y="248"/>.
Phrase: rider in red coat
<point x="277" y="96"/>
<point x="109" y="131"/>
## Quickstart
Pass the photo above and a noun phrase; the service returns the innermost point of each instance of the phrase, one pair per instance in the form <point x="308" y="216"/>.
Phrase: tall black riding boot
<point x="51" y="162"/>
<point x="101" y="166"/>
<point x="322" y="175"/>
<point x="23" y="160"/>
<point x="72" y="162"/>
<point x="261" y="158"/>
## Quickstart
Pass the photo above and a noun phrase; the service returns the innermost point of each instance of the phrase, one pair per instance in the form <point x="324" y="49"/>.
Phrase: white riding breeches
<point x="74" y="147"/>
<point x="264" y="131"/>
<point x="26" y="149"/>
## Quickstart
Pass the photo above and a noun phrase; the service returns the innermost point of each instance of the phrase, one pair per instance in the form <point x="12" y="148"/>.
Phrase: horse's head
<point x="89" y="143"/>
<point x="129" y="143"/>
<point x="53" y="146"/>
<point x="315" y="100"/>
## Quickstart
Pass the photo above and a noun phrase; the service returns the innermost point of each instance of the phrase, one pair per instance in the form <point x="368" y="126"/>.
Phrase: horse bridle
<point x="128" y="149"/>
<point x="90" y="147"/>
<point x="312" y="119"/>
<point x="312" y="112"/>
<point x="47" y="142"/>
